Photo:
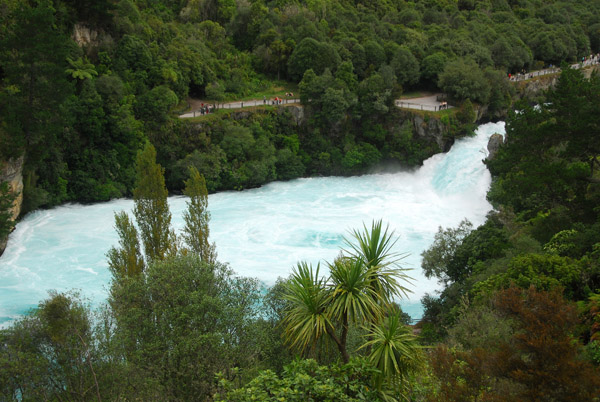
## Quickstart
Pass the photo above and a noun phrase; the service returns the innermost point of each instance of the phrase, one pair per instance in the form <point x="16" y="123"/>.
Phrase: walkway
<point x="590" y="61"/>
<point x="237" y="105"/>
<point x="432" y="103"/>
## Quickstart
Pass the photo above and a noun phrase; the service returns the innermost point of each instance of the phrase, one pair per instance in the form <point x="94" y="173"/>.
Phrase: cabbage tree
<point x="360" y="290"/>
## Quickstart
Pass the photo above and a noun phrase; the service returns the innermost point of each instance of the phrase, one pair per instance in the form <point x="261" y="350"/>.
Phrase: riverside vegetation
<point x="85" y="83"/>
<point x="517" y="318"/>
<point x="519" y="313"/>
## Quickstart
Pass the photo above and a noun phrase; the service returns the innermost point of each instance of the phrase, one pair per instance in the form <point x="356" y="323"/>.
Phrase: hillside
<point x="85" y="84"/>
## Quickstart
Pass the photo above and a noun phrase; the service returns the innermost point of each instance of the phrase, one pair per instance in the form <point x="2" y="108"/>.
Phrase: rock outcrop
<point x="85" y="36"/>
<point x="11" y="171"/>
<point x="297" y="113"/>
<point x="494" y="143"/>
<point x="430" y="129"/>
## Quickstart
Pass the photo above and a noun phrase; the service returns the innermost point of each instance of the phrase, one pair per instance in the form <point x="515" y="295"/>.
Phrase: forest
<point x="85" y="83"/>
<point x="90" y="93"/>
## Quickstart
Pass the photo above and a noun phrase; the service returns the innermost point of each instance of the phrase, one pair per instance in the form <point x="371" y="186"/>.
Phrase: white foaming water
<point x="263" y="232"/>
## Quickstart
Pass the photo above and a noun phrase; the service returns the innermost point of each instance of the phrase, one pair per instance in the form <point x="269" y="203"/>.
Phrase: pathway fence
<point x="421" y="106"/>
<point x="240" y="105"/>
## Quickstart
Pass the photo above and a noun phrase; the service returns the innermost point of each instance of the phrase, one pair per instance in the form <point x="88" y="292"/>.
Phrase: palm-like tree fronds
<point x="306" y="319"/>
<point x="351" y="298"/>
<point x="375" y="248"/>
<point x="394" y="350"/>
<point x="360" y="289"/>
<point x="81" y="69"/>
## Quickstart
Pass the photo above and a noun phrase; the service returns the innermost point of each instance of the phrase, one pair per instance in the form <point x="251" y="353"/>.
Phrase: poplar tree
<point x="151" y="208"/>
<point x="197" y="217"/>
<point x="127" y="260"/>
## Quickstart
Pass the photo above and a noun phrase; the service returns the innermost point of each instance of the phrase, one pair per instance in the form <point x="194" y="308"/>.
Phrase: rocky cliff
<point x="430" y="129"/>
<point x="494" y="144"/>
<point x="11" y="171"/>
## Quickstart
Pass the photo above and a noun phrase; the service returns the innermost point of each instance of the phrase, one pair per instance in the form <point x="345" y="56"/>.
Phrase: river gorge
<point x="262" y="232"/>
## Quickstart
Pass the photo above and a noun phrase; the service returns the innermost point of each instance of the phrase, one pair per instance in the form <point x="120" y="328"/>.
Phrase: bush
<point x="305" y="380"/>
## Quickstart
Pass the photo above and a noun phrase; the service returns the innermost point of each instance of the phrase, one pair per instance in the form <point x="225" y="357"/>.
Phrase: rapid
<point x="261" y="232"/>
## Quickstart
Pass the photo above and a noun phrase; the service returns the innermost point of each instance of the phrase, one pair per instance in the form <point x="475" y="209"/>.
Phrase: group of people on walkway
<point x="589" y="60"/>
<point x="277" y="100"/>
<point x="524" y="74"/>
<point x="205" y="109"/>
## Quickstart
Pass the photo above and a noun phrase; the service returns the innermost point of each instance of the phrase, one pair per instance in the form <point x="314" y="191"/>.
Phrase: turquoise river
<point x="262" y="232"/>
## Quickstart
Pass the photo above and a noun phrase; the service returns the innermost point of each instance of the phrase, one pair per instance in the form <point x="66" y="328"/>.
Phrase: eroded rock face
<point x="84" y="36"/>
<point x="494" y="143"/>
<point x="297" y="113"/>
<point x="11" y="171"/>
<point x="433" y="128"/>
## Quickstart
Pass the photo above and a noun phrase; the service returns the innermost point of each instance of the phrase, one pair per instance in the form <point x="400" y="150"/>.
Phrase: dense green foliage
<point x="535" y="358"/>
<point x="83" y="85"/>
<point x="305" y="380"/>
<point x="507" y="307"/>
<point x="197" y="217"/>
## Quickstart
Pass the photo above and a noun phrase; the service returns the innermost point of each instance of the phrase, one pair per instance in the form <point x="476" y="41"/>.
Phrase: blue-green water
<point x="262" y="232"/>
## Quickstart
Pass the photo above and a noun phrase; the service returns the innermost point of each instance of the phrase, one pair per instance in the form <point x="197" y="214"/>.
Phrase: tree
<point x="537" y="359"/>
<point x="305" y="319"/>
<point x="394" y="352"/>
<point x="51" y="354"/>
<point x="549" y="160"/>
<point x="432" y="66"/>
<point x="345" y="73"/>
<point x="463" y="79"/>
<point x="197" y="217"/>
<point x="305" y="380"/>
<point x="405" y="66"/>
<point x="151" y="208"/>
<point x="574" y="100"/>
<point x="437" y="258"/>
<point x="127" y="260"/>
<point x="358" y="291"/>
<point x="81" y="69"/>
<point x="182" y="322"/>
<point x="153" y="218"/>
<point x="374" y="97"/>
<point x="312" y="54"/>
<point x="154" y="105"/>
<point x="35" y="46"/>
<point x="352" y="298"/>
<point x="334" y="105"/>
<point x="544" y="271"/>
<point x="544" y="356"/>
<point x="374" y="53"/>
<point x="374" y="247"/>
